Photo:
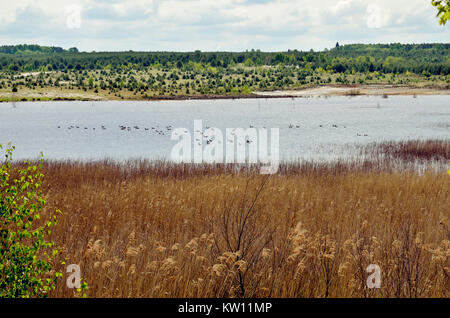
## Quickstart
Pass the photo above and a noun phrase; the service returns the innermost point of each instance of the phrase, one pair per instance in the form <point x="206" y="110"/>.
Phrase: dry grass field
<point x="154" y="229"/>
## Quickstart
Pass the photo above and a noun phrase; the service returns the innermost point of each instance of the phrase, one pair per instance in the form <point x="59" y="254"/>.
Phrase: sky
<point x="217" y="25"/>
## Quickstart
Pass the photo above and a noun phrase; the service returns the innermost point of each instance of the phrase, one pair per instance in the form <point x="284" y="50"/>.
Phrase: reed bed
<point x="411" y="150"/>
<point x="155" y="229"/>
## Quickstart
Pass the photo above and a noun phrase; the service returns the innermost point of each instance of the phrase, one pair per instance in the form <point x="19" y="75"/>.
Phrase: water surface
<point x="310" y="128"/>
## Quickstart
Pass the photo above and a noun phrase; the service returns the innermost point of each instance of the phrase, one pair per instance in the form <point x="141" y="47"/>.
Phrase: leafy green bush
<point x="26" y="254"/>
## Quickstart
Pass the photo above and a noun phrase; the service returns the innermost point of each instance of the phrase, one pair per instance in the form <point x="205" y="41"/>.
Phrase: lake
<point x="309" y="128"/>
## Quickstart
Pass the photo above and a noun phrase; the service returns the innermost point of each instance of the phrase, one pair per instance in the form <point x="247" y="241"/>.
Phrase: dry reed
<point x="153" y="229"/>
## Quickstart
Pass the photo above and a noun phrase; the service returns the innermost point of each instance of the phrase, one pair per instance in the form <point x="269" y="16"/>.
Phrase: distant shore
<point x="317" y="91"/>
<point x="355" y="90"/>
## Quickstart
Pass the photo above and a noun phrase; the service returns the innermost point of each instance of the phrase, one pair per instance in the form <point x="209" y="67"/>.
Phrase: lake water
<point x="310" y="128"/>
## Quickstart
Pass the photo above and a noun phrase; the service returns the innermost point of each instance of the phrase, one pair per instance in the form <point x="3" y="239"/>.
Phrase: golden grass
<point x="166" y="231"/>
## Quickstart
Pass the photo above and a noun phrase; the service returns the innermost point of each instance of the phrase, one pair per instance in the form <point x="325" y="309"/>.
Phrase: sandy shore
<point x="321" y="91"/>
<point x="372" y="90"/>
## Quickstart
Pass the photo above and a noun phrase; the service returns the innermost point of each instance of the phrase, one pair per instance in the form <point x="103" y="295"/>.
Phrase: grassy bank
<point x="234" y="82"/>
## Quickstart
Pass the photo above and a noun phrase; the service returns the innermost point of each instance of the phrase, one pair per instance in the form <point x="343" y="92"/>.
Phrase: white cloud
<point x="341" y="6"/>
<point x="184" y="12"/>
<point x="276" y="15"/>
<point x="224" y="24"/>
<point x="125" y="7"/>
<point x="10" y="9"/>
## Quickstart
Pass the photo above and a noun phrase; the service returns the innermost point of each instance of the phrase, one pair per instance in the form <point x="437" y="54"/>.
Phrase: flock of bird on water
<point x="127" y="128"/>
<point x="167" y="129"/>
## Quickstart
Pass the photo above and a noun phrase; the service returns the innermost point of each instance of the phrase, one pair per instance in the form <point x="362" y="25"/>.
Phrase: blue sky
<point x="217" y="25"/>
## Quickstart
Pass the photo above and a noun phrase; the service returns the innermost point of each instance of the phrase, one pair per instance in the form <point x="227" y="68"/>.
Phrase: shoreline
<point x="307" y="92"/>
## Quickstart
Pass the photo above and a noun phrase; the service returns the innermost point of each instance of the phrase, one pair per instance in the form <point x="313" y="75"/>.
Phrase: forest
<point x="384" y="58"/>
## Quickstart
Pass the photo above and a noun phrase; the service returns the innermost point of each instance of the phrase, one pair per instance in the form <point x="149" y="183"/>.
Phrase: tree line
<point x="432" y="59"/>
